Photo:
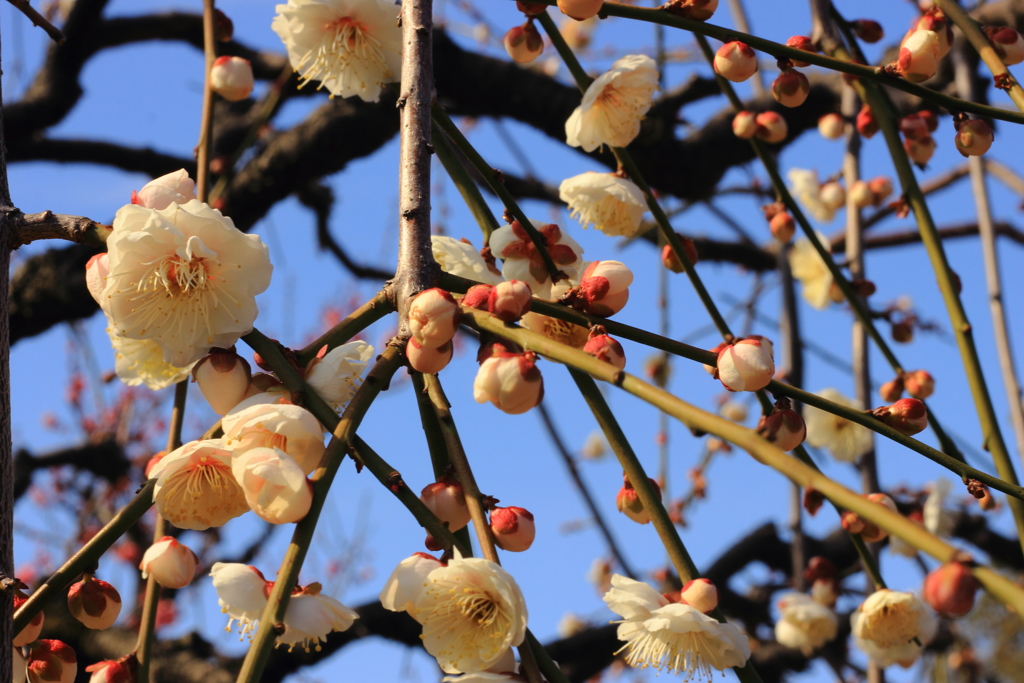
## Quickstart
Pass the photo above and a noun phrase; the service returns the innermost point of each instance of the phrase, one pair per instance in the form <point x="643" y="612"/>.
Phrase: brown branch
<point x="39" y="20"/>
<point x="105" y="459"/>
<point x="29" y="227"/>
<point x="897" y="239"/>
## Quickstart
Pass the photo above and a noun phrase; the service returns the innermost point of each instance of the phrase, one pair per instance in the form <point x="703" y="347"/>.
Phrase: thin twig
<point x="206" y="121"/>
<point x="39" y="20"/>
<point x="354" y="323"/>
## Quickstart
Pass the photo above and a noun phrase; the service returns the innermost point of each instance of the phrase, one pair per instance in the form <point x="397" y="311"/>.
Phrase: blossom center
<point x="476" y="624"/>
<point x="672" y="652"/>
<point x="200" y="490"/>
<point x="347" y="57"/>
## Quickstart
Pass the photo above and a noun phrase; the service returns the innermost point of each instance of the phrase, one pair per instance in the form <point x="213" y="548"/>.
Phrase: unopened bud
<point x="604" y="288"/>
<point x="477" y="296"/>
<point x="628" y="502"/>
<point x="771" y="127"/>
<point x="580" y="10"/>
<point x="171" y="563"/>
<point x="746" y="365"/>
<point x="935" y="20"/>
<point x="867" y="30"/>
<point x="744" y="125"/>
<point x="523" y="43"/>
<point x="603" y="347"/>
<point x="1007" y="43"/>
<point x="832" y="195"/>
<point x="673" y="262"/>
<point x="973" y="137"/>
<point x="862" y="287"/>
<point x="920" y="150"/>
<point x="513" y="528"/>
<point x="919" y="56"/>
<point x="892" y="391"/>
<point x="735" y="61"/>
<point x="867" y="124"/>
<point x="869" y="531"/>
<point x="919" y="384"/>
<point x="783" y="426"/>
<point x="831" y="126"/>
<point x="791" y="88"/>
<point x="919" y="124"/>
<point x="950" y="589"/>
<point x="231" y="78"/>
<point x="801" y="43"/>
<point x="123" y="670"/>
<point x="433" y="318"/>
<point x="699" y="594"/>
<point x="32" y="630"/>
<point x="509" y="301"/>
<point x="223" y="377"/>
<point x="881" y="188"/>
<point x="823" y="592"/>
<point x="902" y="332"/>
<point x="223" y="27"/>
<point x="510" y="381"/>
<point x="861" y="195"/>
<point x="783" y="227"/>
<point x="447" y="500"/>
<point x="907" y="416"/>
<point x="427" y="360"/>
<point x="95" y="603"/>
<point x="531" y="9"/>
<point x="819" y="567"/>
<point x="51" y="661"/>
<point x="698" y="10"/>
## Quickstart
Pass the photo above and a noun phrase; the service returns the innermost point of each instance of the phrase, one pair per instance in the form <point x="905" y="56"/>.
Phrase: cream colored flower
<point x="462" y="259"/>
<point x="159" y="193"/>
<point x="352" y="47"/>
<point x="804" y="185"/>
<point x="613" y="205"/>
<point x="614" y="105"/>
<point x="804" y="624"/>
<point x="241" y="593"/>
<point x="845" y="440"/>
<point x="406" y="581"/>
<point x="254" y="423"/>
<point x="311" y="616"/>
<point x="184" y="277"/>
<point x="195" y="488"/>
<point x="812" y="272"/>
<point x="672" y="637"/>
<point x="141" y="361"/>
<point x="337" y="375"/>
<point x="274" y="485"/>
<point x="892" y="627"/>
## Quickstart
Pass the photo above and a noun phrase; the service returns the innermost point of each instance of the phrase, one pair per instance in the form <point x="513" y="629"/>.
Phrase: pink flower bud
<point x="477" y="296"/>
<point x="511" y="381"/>
<point x="791" y="88"/>
<point x="580" y="10"/>
<point x="950" y="589"/>
<point x="919" y="383"/>
<point x="698" y="10"/>
<point x="95" y="603"/>
<point x="831" y="126"/>
<point x="123" y="670"/>
<point x="861" y="194"/>
<point x="628" y="502"/>
<point x="771" y="127"/>
<point x="735" y="61"/>
<point x="231" y="78"/>
<point x="881" y="188"/>
<point x="867" y="124"/>
<point x="867" y="30"/>
<point x="832" y="195"/>
<point x="892" y="391"/>
<point x="783" y="227"/>
<point x="604" y="287"/>
<point x="223" y="377"/>
<point x="744" y="125"/>
<point x="699" y="594"/>
<point x="51" y="661"/>
<point x="523" y="43"/>
<point x="919" y="124"/>
<point x="973" y="137"/>
<point x="30" y="632"/>
<point x="160" y="193"/>
<point x="920" y="150"/>
<point x="801" y="43"/>
<point x="907" y="416"/>
<point x="673" y="262"/>
<point x="603" y="347"/>
<point x="1007" y="43"/>
<point x="446" y="499"/>
<point x="513" y="528"/>
<point x="433" y="318"/>
<point x="171" y="563"/>
<point x="96" y="271"/>
<point x="871" y="532"/>
<point x="509" y="301"/>
<point x="746" y="365"/>
<point x="426" y="360"/>
<point x="919" y="56"/>
<point x="784" y="427"/>
<point x="936" y="21"/>
<point x="823" y="592"/>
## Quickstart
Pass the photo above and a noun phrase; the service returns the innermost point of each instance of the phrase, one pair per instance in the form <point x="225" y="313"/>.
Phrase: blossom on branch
<point x="257" y="423"/>
<point x="170" y="562"/>
<point x="462" y="259"/>
<point x="195" y="488"/>
<point x="141" y="361"/>
<point x="845" y="440"/>
<point x="892" y="627"/>
<point x="612" y="204"/>
<point x="336" y="375"/>
<point x="159" y="193"/>
<point x="614" y="105"/>
<point x="811" y="270"/>
<point x="310" y="616"/>
<point x="510" y="381"/>
<point x="523" y="261"/>
<point x="241" y="593"/>
<point x="274" y="485"/>
<point x="804" y="624"/>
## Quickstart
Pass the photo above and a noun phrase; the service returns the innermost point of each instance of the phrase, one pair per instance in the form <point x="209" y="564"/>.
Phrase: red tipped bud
<point x="919" y="56"/>
<point x="831" y="126"/>
<point x="950" y="589"/>
<point x="892" y="391"/>
<point x="771" y="127"/>
<point x="973" y="137"/>
<point x="699" y="594"/>
<point x="673" y="262"/>
<point x="735" y="61"/>
<point x="531" y="9"/>
<point x="919" y="384"/>
<point x="902" y="332"/>
<point x="783" y="227"/>
<point x="746" y="365"/>
<point x="744" y="125"/>
<point x="919" y="125"/>
<point x="30" y="632"/>
<point x="51" y="661"/>
<point x="783" y="426"/>
<point x="801" y="43"/>
<point x="920" y="150"/>
<point x="95" y="603"/>
<point x="223" y="377"/>
<point x="867" y="30"/>
<point x="427" y="360"/>
<point x="580" y="10"/>
<point x="509" y="301"/>
<point x="628" y="502"/>
<point x="510" y="381"/>
<point x="698" y="10"/>
<point x="513" y="528"/>
<point x="523" y="43"/>
<point x="935" y="20"/>
<point x="123" y="670"/>
<point x="433" y="318"/>
<point x="861" y="195"/>
<point x="447" y="500"/>
<point x="867" y="124"/>
<point x="907" y="416"/>
<point x="231" y="78"/>
<point x="881" y="188"/>
<point x="819" y="567"/>
<point x="477" y="296"/>
<point x="791" y="88"/>
<point x="603" y="347"/>
<point x="1007" y="43"/>
<point x="171" y="563"/>
<point x="604" y="289"/>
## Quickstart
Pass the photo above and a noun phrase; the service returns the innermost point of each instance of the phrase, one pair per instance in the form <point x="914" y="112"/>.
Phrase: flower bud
<point x="628" y="502"/>
<point x="832" y="195"/>
<point x="509" y="301"/>
<point x="867" y="124"/>
<point x="673" y="262"/>
<point x="603" y="347"/>
<point x="699" y="594"/>
<point x="477" y="296"/>
<point x="783" y="426"/>
<point x="823" y="592"/>
<point x="744" y="125"/>
<point x="861" y="195"/>
<point x="426" y="360"/>
<point x="791" y="88"/>
<point x="783" y="227"/>
<point x="746" y="365"/>
<point x="892" y="391"/>
<point x="1007" y="43"/>
<point x="973" y="137"/>
<point x="919" y="384"/>
<point x="223" y="377"/>
<point x="171" y="563"/>
<point x="231" y="78"/>
<point x="920" y="150"/>
<point x="510" y="381"/>
<point x="96" y="271"/>
<point x="819" y="567"/>
<point x="51" y="661"/>
<point x="801" y="43"/>
<point x="735" y="61"/>
<point x="919" y="124"/>
<point x="881" y="188"/>
<point x="831" y="126"/>
<point x="523" y="43"/>
<point x="95" y="603"/>
<point x="433" y="318"/>
<point x="160" y="193"/>
<point x="698" y="10"/>
<point x="580" y="10"/>
<point x="123" y="670"/>
<point x="513" y="528"/>
<point x="902" y="332"/>
<point x="275" y="486"/>
<point x="31" y="631"/>
<point x="867" y="30"/>
<point x="869" y="531"/>
<point x="950" y="589"/>
<point x="771" y="127"/>
<point x="447" y="500"/>
<point x="936" y="21"/>
<point x="604" y="287"/>
<point x="907" y="416"/>
<point x="919" y="56"/>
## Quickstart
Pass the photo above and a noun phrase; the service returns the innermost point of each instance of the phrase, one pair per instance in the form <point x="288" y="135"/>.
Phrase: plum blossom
<point x="805" y="187"/>
<point x="427" y="360"/>
<point x="123" y="670"/>
<point x="804" y="624"/>
<point x="95" y="603"/>
<point x="170" y="562"/>
<point x="892" y="627"/>
<point x="231" y="78"/>
<point x="195" y="488"/>
<point x="184" y="277"/>
<point x="403" y="587"/>
<point x="352" y="47"/>
<point x="672" y="637"/>
<point x="612" y="204"/>
<point x="845" y="440"/>
<point x="141" y="361"/>
<point x="746" y="365"/>
<point x="274" y="485"/>
<point x="510" y="381"/>
<point x="159" y="193"/>
<point x="513" y="528"/>
<point x="523" y="261"/>
<point x="311" y="615"/>
<point x="51" y="661"/>
<point x="810" y="269"/>
<point x="255" y="423"/>
<point x="614" y="104"/>
<point x="241" y="593"/>
<point x="32" y="630"/>
<point x="461" y="258"/>
<point x="336" y="375"/>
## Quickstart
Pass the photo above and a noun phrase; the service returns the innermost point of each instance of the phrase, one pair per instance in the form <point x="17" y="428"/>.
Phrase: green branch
<point x="354" y="323"/>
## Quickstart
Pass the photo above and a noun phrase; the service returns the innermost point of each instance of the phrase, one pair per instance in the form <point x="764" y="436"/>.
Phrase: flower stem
<point x="354" y="323"/>
<point x="467" y="188"/>
<point x="206" y="121"/>
<point x="147" y="624"/>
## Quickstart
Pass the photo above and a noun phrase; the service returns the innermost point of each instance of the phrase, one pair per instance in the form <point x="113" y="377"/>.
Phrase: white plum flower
<point x="241" y="593"/>
<point x="811" y="270"/>
<point x="259" y="422"/>
<point x="614" y="105"/>
<point x="171" y="563"/>
<point x="184" y="277"/>
<point x="336" y="375"/>
<point x="613" y="205"/>
<point x="845" y="440"/>
<point x="352" y="47"/>
<point x="524" y="262"/>
<point x="274" y="485"/>
<point x="195" y="488"/>
<point x="141" y="361"/>
<point x="804" y="624"/>
<point x="403" y="587"/>
<point x="892" y="627"/>
<point x="672" y="637"/>
<point x="159" y="193"/>
<point x="804" y="185"/>
<point x="461" y="258"/>
<point x="310" y="616"/>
